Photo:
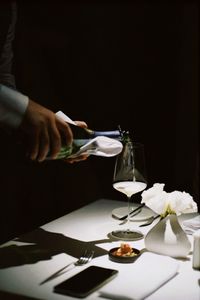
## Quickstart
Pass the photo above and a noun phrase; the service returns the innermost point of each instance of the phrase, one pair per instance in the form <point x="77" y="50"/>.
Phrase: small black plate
<point x="123" y="259"/>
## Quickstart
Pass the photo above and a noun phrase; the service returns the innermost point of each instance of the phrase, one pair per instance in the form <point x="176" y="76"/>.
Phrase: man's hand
<point x="44" y="132"/>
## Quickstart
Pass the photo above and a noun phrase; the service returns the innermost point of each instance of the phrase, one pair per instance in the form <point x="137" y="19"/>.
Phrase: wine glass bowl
<point x="129" y="178"/>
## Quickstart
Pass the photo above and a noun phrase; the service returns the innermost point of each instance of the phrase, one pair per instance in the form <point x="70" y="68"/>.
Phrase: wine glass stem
<point x="129" y="210"/>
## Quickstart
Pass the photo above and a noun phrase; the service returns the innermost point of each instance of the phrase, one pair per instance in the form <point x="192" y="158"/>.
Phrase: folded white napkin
<point x="192" y="225"/>
<point x="149" y="272"/>
<point x="64" y="117"/>
<point x="100" y="145"/>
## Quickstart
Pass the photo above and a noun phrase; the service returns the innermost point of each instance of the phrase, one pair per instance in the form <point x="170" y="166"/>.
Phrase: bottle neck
<point x="85" y="133"/>
<point x="115" y="134"/>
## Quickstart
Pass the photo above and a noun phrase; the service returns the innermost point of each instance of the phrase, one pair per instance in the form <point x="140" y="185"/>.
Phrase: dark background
<point x="107" y="63"/>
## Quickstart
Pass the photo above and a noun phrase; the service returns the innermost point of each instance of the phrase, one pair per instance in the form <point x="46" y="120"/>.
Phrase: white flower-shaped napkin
<point x="164" y="203"/>
<point x="100" y="145"/>
<point x="147" y="274"/>
<point x="192" y="225"/>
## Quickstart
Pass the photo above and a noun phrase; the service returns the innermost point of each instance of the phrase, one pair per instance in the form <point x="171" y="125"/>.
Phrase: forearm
<point x="13" y="105"/>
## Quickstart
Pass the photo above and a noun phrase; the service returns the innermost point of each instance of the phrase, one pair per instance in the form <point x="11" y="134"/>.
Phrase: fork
<point x="85" y="258"/>
<point x="150" y="221"/>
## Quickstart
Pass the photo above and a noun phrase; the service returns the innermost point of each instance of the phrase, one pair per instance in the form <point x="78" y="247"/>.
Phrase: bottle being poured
<point x="91" y="142"/>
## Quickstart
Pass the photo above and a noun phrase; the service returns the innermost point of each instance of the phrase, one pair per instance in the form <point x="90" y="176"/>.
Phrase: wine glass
<point x="129" y="178"/>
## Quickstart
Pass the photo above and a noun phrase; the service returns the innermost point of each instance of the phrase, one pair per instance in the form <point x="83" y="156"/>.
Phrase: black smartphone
<point x="85" y="282"/>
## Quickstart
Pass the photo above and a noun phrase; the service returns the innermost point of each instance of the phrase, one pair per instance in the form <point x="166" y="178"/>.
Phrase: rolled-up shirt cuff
<point x="13" y="105"/>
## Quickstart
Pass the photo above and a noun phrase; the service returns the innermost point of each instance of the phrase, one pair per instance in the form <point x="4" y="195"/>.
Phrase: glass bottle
<point x="81" y="136"/>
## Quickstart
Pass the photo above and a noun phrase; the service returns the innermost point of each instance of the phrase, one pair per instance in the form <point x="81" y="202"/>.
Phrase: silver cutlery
<point x="132" y="215"/>
<point x="131" y="212"/>
<point x="85" y="258"/>
<point x="150" y="221"/>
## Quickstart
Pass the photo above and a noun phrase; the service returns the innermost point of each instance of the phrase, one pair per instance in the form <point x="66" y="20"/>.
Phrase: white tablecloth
<point x="25" y="263"/>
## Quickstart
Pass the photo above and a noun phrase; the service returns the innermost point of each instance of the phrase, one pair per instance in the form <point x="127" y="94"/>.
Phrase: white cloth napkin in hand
<point x="100" y="145"/>
<point x="64" y="117"/>
<point x="192" y="225"/>
<point x="147" y="274"/>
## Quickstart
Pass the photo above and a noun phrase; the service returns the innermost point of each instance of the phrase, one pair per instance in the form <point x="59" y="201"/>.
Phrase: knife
<point x="132" y="212"/>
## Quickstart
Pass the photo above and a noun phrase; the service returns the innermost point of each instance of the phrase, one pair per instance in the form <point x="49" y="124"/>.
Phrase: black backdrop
<point x="108" y="63"/>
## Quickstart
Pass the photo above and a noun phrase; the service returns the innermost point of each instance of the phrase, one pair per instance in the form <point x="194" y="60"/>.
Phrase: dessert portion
<point x="125" y="250"/>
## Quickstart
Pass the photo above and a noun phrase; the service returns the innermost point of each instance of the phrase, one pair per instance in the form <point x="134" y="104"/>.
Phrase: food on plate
<point x="125" y="250"/>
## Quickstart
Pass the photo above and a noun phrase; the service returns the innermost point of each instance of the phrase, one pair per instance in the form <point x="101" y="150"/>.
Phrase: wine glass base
<point x="126" y="235"/>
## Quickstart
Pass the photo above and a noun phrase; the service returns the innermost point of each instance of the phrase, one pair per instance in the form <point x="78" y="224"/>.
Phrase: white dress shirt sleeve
<point x="13" y="105"/>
